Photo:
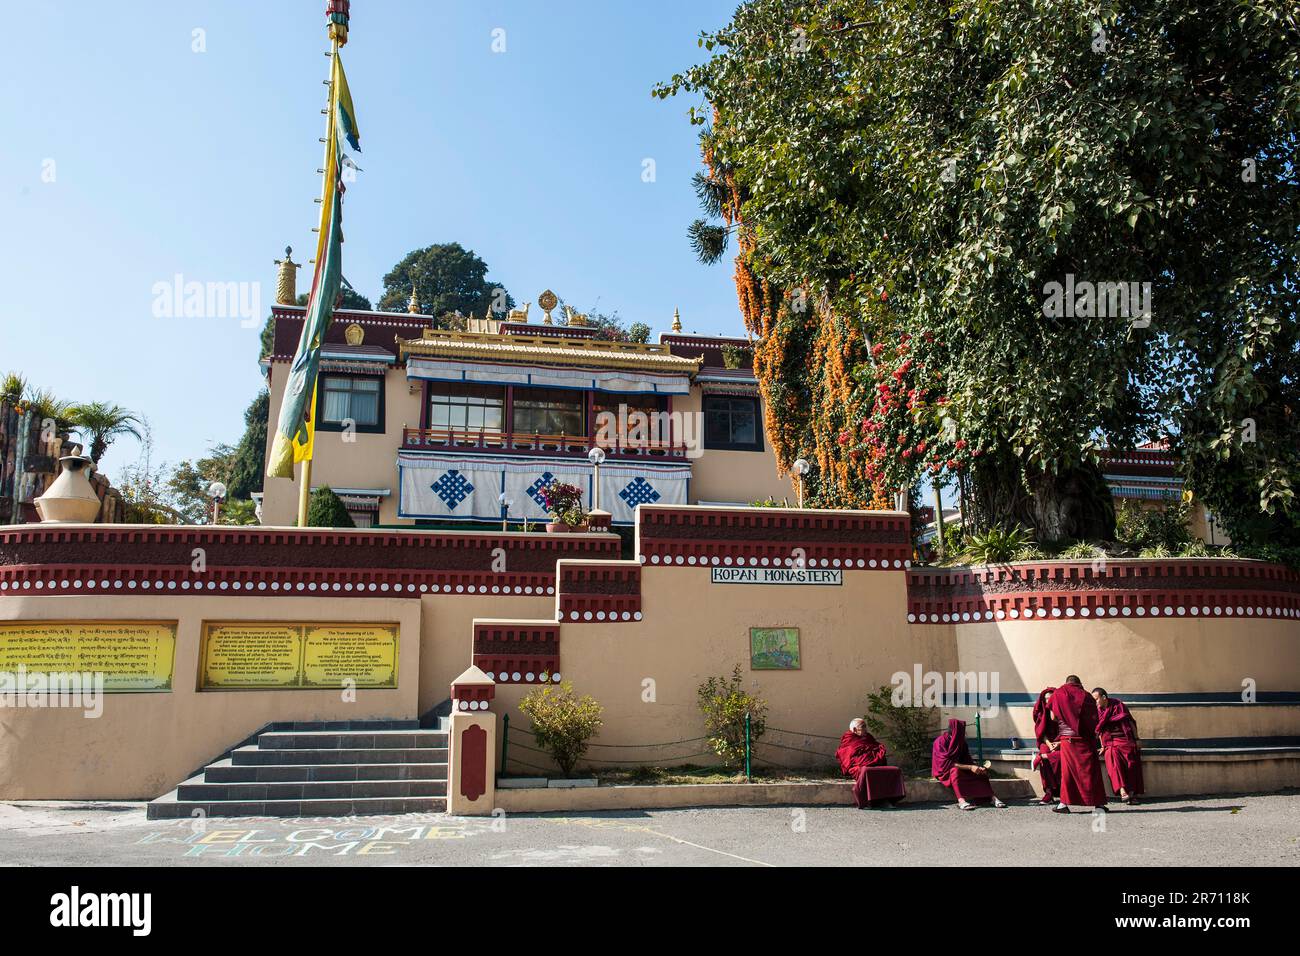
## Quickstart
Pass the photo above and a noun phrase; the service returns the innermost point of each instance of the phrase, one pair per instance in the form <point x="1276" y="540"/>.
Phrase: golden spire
<point x="286" y="279"/>
<point x="677" y="320"/>
<point x="413" y="305"/>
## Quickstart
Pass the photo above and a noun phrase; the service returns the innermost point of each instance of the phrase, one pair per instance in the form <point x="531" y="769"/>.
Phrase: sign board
<point x="133" y="656"/>
<point x="297" y="655"/>
<point x="775" y="576"/>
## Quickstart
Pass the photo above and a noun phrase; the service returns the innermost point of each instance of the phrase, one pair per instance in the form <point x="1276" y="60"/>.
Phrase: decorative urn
<point x="70" y="499"/>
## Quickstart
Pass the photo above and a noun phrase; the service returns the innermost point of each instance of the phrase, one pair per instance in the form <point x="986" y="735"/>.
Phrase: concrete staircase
<point x="320" y="770"/>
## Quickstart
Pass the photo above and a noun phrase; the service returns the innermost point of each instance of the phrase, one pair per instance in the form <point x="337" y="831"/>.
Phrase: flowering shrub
<point x="563" y="502"/>
<point x="912" y="429"/>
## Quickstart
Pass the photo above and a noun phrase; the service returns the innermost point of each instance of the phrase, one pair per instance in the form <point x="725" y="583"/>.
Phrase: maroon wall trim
<point x="517" y="653"/>
<point x="763" y="538"/>
<point x="284" y="562"/>
<point x="599" y="591"/>
<point x="1064" y="590"/>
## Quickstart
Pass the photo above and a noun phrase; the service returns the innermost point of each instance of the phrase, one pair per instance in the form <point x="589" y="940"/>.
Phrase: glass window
<point x="638" y="420"/>
<point x="731" y="422"/>
<point x="477" y="411"/>
<point x="345" y="397"/>
<point x="544" y="411"/>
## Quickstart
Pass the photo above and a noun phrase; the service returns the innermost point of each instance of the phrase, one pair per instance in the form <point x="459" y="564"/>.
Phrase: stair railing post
<point x="471" y="746"/>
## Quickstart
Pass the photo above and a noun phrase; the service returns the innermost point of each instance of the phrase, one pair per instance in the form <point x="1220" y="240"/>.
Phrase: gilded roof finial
<point x="286" y="279"/>
<point x="677" y="320"/>
<point x="547" y="300"/>
<point x="413" y="305"/>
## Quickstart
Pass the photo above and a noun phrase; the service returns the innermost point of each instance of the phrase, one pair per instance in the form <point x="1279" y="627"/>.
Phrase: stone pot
<point x="70" y="499"/>
<point x="559" y="527"/>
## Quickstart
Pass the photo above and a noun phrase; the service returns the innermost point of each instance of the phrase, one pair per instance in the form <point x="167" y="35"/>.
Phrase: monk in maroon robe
<point x="863" y="758"/>
<point x="1075" y="713"/>
<point x="1048" y="734"/>
<point x="951" y="764"/>
<point x="1117" y="731"/>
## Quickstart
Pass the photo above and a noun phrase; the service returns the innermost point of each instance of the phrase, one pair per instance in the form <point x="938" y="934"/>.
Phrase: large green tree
<point x="448" y="278"/>
<point x="249" y="467"/>
<point x="905" y="179"/>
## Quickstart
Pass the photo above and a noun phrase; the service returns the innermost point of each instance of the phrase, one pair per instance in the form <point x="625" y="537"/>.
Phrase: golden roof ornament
<point x="547" y="300"/>
<point x="413" y="305"/>
<point x="354" y="334"/>
<point x="677" y="320"/>
<point x="286" y="279"/>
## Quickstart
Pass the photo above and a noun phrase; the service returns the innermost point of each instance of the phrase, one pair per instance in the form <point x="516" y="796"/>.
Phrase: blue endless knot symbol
<point x="639" y="492"/>
<point x="452" y="488"/>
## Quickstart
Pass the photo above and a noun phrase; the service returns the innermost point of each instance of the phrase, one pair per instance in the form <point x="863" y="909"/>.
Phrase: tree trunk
<point x="1074" y="504"/>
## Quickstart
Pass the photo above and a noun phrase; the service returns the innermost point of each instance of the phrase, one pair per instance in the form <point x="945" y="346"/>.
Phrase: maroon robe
<point x="862" y="757"/>
<point x="1076" y="713"/>
<point x="1047" y="731"/>
<point x="949" y="750"/>
<point x="1117" y="731"/>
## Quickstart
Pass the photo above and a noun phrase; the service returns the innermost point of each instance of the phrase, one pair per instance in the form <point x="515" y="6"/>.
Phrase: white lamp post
<point x="597" y="457"/>
<point x="505" y="509"/>
<point x="800" y="468"/>
<point x="217" y="492"/>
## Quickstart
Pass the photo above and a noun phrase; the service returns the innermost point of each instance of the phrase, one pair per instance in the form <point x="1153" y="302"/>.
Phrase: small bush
<point x="1082" y="551"/>
<point x="326" y="510"/>
<point x="999" y="544"/>
<point x="724" y="703"/>
<point x="907" y="732"/>
<point x="1143" y="529"/>
<point x="563" y="723"/>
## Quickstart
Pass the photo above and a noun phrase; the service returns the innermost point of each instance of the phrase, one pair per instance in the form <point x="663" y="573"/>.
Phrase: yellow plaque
<point x="297" y="655"/>
<point x="364" y="653"/>
<point x="133" y="656"/>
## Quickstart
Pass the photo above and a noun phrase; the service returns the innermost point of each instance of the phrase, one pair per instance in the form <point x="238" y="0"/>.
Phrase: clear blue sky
<point x="169" y="161"/>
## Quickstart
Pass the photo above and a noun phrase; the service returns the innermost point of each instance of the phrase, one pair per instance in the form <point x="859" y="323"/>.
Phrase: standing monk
<point x="1076" y="714"/>
<point x="1117" y="731"/>
<point x="862" y="757"/>
<point x="1048" y="734"/>
<point x="951" y="765"/>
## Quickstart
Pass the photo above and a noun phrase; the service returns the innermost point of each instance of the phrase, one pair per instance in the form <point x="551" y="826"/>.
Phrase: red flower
<point x="961" y="443"/>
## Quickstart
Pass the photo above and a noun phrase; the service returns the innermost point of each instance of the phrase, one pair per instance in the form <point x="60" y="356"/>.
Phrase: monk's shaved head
<point x="1073" y="679"/>
<point x="855" y="723"/>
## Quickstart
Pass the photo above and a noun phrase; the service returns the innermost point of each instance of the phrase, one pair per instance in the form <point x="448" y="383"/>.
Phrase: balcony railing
<point x="562" y="445"/>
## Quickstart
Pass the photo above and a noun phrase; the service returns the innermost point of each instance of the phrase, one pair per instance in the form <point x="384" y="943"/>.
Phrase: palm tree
<point x="102" y="422"/>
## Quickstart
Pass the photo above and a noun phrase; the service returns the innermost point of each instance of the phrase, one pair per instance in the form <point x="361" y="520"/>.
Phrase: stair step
<point x="169" y="806"/>
<point x="246" y="756"/>
<point x="361" y="726"/>
<point x="311" y="790"/>
<point x="224" y="771"/>
<point x="352" y="740"/>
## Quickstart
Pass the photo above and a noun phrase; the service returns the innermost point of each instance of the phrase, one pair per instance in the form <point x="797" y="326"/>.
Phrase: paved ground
<point x="1251" y="830"/>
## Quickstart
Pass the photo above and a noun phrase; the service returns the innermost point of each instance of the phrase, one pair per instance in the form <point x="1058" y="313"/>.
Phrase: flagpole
<point x="304" y="476"/>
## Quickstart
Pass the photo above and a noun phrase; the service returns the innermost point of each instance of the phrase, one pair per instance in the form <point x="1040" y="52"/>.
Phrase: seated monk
<point x="863" y="758"/>
<point x="950" y="762"/>
<point x="1076" y="714"/>
<point x="1048" y="734"/>
<point x="1117" y="731"/>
